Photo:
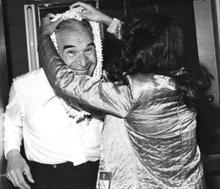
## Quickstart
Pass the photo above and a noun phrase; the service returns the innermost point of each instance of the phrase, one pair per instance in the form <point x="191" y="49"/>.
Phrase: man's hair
<point x="154" y="44"/>
<point x="75" y="24"/>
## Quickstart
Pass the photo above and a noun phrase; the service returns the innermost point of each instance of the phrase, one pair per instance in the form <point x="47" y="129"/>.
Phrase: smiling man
<point x="61" y="152"/>
<point x="75" y="46"/>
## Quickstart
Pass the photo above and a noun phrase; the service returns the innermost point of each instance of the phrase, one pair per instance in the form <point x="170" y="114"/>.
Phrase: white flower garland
<point x="72" y="13"/>
<point x="76" y="115"/>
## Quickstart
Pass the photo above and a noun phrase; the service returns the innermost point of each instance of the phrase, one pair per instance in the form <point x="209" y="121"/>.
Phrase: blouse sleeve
<point x="102" y="96"/>
<point x="13" y="118"/>
<point x="115" y="28"/>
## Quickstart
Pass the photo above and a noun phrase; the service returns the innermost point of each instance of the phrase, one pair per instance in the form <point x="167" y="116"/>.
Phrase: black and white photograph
<point x="110" y="94"/>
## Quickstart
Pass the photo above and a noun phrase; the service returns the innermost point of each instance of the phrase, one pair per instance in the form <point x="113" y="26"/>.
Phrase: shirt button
<point x="54" y="166"/>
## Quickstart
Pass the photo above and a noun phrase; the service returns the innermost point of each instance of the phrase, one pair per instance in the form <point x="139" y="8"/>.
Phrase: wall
<point x="207" y="20"/>
<point x="15" y="38"/>
<point x="206" y="43"/>
<point x="3" y="94"/>
<point x="209" y="119"/>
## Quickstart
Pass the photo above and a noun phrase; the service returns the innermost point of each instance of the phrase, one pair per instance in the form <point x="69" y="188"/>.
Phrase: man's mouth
<point x="84" y="70"/>
<point x="87" y="67"/>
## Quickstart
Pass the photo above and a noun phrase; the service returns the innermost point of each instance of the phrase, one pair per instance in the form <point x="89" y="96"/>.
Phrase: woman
<point x="149" y="136"/>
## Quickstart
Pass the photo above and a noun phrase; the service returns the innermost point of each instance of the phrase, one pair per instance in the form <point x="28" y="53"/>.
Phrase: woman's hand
<point x="47" y="26"/>
<point x="91" y="13"/>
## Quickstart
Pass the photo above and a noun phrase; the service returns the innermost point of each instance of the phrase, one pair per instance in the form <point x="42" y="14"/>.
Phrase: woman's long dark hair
<point x="154" y="44"/>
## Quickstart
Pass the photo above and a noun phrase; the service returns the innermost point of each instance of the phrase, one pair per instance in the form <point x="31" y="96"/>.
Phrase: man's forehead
<point x="74" y="34"/>
<point x="74" y="38"/>
<point x="69" y="29"/>
<point x="73" y="24"/>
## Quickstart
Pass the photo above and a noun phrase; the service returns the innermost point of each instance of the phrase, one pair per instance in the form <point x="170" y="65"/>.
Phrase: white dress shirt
<point x="50" y="136"/>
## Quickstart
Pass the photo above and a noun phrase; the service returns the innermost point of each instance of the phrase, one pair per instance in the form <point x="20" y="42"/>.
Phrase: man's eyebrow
<point x="68" y="46"/>
<point x="72" y="46"/>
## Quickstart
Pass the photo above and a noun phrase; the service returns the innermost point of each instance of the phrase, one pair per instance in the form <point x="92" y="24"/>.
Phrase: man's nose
<point x="82" y="60"/>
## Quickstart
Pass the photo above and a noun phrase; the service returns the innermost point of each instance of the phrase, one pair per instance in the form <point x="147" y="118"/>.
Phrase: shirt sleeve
<point x="115" y="28"/>
<point x="99" y="95"/>
<point x="13" y="121"/>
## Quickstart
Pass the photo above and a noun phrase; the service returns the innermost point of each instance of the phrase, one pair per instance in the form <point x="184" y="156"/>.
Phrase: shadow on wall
<point x="208" y="130"/>
<point x="3" y="96"/>
<point x="208" y="136"/>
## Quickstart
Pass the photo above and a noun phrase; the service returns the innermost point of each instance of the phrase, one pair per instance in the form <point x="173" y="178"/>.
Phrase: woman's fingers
<point x="50" y="16"/>
<point x="57" y="22"/>
<point x="48" y="26"/>
<point x="81" y="4"/>
<point x="86" y="8"/>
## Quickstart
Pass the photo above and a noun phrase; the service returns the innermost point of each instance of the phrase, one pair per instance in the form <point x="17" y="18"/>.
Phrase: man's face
<point x="77" y="49"/>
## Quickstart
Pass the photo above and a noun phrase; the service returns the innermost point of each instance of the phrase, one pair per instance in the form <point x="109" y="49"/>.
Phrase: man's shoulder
<point x="34" y="83"/>
<point x="32" y="76"/>
<point x="34" y="80"/>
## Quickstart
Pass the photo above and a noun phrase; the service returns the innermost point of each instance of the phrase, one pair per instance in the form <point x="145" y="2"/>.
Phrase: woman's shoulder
<point x="150" y="83"/>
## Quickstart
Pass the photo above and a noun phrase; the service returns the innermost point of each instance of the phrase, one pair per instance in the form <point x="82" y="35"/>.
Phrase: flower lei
<point x="78" y="115"/>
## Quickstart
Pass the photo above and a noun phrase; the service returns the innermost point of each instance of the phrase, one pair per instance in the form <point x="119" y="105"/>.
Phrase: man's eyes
<point x="87" y="51"/>
<point x="90" y="49"/>
<point x="71" y="52"/>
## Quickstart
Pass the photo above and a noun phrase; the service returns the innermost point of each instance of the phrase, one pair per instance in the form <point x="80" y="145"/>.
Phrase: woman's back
<point x="155" y="145"/>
